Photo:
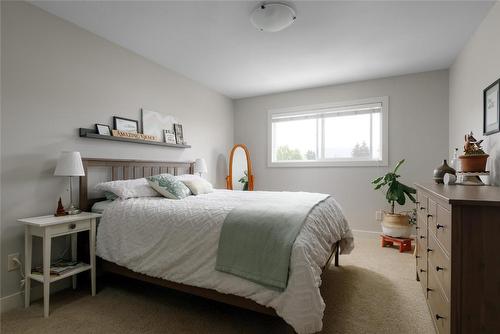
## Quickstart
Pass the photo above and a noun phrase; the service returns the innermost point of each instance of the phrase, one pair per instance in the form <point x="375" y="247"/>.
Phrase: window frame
<point x="384" y="112"/>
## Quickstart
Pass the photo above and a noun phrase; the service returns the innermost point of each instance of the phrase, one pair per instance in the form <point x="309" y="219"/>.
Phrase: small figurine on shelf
<point x="60" y="209"/>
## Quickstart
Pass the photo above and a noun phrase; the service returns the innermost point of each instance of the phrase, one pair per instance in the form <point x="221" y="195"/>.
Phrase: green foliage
<point x="360" y="150"/>
<point x="286" y="153"/>
<point x="310" y="155"/>
<point x="396" y="191"/>
<point x="244" y="180"/>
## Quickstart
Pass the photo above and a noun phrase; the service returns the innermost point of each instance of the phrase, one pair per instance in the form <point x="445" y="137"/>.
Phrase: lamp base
<point x="72" y="210"/>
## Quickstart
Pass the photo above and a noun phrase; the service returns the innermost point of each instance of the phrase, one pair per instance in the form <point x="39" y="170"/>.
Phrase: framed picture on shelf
<point x="103" y="129"/>
<point x="179" y="136"/>
<point x="169" y="136"/>
<point x="491" y="112"/>
<point x="125" y="124"/>
<point x="154" y="123"/>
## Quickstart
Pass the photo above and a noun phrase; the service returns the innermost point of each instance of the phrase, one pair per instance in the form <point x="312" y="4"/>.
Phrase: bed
<point x="173" y="243"/>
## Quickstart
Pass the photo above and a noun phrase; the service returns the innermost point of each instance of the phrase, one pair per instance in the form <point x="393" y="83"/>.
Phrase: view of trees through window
<point x="353" y="135"/>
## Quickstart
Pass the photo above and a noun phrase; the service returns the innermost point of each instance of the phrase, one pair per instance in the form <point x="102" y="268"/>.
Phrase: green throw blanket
<point x="256" y="239"/>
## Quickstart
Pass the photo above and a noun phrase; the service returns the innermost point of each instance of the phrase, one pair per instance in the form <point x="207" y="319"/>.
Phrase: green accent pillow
<point x="110" y="196"/>
<point x="169" y="186"/>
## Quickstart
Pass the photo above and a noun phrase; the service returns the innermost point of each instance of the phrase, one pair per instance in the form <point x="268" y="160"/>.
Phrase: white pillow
<point x="128" y="188"/>
<point x="196" y="184"/>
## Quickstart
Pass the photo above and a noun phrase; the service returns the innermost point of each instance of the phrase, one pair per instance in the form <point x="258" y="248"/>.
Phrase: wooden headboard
<point x="126" y="170"/>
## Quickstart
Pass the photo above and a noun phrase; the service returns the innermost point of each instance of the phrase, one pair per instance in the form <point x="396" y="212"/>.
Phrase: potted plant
<point x="474" y="158"/>
<point x="244" y="180"/>
<point x="396" y="224"/>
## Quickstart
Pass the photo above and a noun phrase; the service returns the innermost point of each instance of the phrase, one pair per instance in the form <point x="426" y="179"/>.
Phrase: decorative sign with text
<point x="140" y="136"/>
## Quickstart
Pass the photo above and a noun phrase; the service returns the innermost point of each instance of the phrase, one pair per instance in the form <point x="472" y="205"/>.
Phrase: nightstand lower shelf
<point x="54" y="278"/>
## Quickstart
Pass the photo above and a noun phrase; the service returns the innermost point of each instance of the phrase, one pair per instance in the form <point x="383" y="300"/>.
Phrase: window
<point x="350" y="133"/>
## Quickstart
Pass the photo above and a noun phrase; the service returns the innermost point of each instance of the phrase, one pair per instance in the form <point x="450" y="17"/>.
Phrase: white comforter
<point x="177" y="240"/>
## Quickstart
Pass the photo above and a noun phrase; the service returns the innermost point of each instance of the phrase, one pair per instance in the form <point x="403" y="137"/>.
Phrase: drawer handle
<point x="439" y="317"/>
<point x="422" y="271"/>
<point x="417" y="257"/>
<point x="429" y="289"/>
<point x="438" y="268"/>
<point x="417" y="228"/>
<point x="417" y="203"/>
<point x="429" y="216"/>
<point x="439" y="226"/>
<point x="72" y="226"/>
<point x="422" y="208"/>
<point x="429" y="250"/>
<point x="422" y="237"/>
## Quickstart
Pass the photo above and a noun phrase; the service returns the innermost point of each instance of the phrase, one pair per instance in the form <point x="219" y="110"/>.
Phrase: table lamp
<point x="200" y="166"/>
<point x="70" y="164"/>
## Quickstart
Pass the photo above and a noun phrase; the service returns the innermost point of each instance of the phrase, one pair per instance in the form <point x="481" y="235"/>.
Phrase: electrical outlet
<point x="378" y="215"/>
<point x="11" y="265"/>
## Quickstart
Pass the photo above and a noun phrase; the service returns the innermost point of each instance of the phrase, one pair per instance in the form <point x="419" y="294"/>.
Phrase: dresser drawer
<point x="439" y="265"/>
<point x="421" y="205"/>
<point x="421" y="264"/>
<point x="439" y="306"/>
<point x="61" y="229"/>
<point x="440" y="226"/>
<point x="421" y="227"/>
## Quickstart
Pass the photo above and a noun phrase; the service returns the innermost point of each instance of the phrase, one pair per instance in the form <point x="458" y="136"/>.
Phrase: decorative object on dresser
<point x="240" y="166"/>
<point x="395" y="224"/>
<point x="155" y="124"/>
<point x="491" y="108"/>
<point x="440" y="171"/>
<point x="70" y="164"/>
<point x="48" y="227"/>
<point x="103" y="129"/>
<point x="200" y="166"/>
<point x="457" y="256"/>
<point x="125" y="124"/>
<point x="474" y="158"/>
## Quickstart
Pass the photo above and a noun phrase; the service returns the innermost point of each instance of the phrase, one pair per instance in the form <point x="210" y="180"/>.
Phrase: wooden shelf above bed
<point x="91" y="133"/>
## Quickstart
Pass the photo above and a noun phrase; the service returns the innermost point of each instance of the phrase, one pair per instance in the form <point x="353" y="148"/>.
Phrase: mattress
<point x="177" y="240"/>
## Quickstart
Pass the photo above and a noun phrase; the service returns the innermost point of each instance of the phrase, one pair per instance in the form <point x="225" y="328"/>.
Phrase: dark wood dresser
<point x="458" y="256"/>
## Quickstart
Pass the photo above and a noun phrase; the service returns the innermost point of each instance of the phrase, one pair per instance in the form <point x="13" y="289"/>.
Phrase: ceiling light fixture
<point x="272" y="17"/>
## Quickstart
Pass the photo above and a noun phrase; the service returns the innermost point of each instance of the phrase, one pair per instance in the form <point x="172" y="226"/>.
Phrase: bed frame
<point x="132" y="169"/>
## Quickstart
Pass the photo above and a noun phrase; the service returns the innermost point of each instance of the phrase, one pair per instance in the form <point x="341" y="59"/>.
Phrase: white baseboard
<point x="366" y="234"/>
<point x="16" y="300"/>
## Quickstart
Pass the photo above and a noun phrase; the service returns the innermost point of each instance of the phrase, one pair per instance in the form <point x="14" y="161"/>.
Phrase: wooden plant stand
<point x="404" y="243"/>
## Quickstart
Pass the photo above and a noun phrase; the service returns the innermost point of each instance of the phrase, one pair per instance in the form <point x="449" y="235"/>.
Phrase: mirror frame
<point x="229" y="178"/>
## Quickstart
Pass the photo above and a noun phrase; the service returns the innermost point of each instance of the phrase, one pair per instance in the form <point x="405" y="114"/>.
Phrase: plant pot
<point x="473" y="163"/>
<point x="396" y="225"/>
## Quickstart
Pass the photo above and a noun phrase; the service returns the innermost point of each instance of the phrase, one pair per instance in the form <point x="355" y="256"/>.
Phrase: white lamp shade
<point x="69" y="164"/>
<point x="200" y="166"/>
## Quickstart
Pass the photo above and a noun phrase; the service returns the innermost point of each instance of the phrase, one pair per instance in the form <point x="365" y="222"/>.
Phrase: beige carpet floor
<point x="373" y="291"/>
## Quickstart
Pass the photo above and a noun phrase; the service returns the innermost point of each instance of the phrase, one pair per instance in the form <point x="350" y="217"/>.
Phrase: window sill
<point x="378" y="163"/>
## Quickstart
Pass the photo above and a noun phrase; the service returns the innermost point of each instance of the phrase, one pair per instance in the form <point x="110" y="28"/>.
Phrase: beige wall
<point x="56" y="78"/>
<point x="418" y="131"/>
<point x="476" y="67"/>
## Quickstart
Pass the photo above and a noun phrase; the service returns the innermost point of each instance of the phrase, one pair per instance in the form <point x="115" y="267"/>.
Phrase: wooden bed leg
<point x="337" y="251"/>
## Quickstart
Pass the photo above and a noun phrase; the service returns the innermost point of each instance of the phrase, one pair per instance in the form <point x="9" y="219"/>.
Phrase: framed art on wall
<point x="125" y="124"/>
<point x="154" y="123"/>
<point x="491" y="112"/>
<point x="179" y="136"/>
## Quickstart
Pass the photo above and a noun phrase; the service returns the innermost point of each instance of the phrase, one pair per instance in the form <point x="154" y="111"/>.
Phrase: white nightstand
<point x="47" y="227"/>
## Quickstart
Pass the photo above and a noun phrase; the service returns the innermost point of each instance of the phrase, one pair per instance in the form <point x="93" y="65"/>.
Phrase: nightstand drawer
<point x="72" y="227"/>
